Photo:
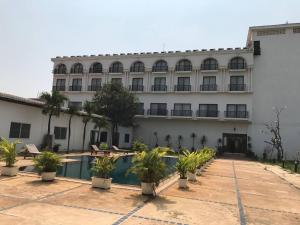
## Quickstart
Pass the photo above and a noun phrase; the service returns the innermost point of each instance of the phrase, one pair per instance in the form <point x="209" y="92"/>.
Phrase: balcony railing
<point x="207" y="113"/>
<point x="175" y="112"/>
<point x="94" y="87"/>
<point x="182" y="88"/>
<point x="237" y="87"/>
<point x="75" y="88"/>
<point x="236" y="114"/>
<point x="157" y="112"/>
<point x="59" y="88"/>
<point x="183" y="68"/>
<point x="208" y="87"/>
<point x="159" y="87"/>
<point x="140" y="112"/>
<point x="136" y="88"/>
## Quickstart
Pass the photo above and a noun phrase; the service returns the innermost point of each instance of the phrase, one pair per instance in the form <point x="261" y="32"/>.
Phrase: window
<point x="209" y="83"/>
<point x="160" y="66"/>
<point x="95" y="84"/>
<point x="237" y="83"/>
<point x="19" y="130"/>
<point x="184" y="65"/>
<point x="103" y="136"/>
<point x="137" y="84"/>
<point x="96" y="68"/>
<point x="140" y="108"/>
<point x="237" y="63"/>
<point x="126" y="138"/>
<point x="60" y="133"/>
<point x="182" y="109"/>
<point x="209" y="64"/>
<point x="236" y="111"/>
<point x="159" y="109"/>
<point x="183" y="84"/>
<point x="60" y="69"/>
<point x="77" y="105"/>
<point x="77" y="68"/>
<point x="116" y="81"/>
<point x="116" y="67"/>
<point x="159" y="84"/>
<point x="76" y="85"/>
<point x="208" y="110"/>
<point x="137" y="67"/>
<point x="60" y="85"/>
<point x="296" y="30"/>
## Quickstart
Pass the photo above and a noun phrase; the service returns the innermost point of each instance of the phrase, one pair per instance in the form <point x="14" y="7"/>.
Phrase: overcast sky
<point x="33" y="31"/>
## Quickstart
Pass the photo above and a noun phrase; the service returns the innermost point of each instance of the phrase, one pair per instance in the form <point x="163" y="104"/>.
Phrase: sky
<point x="34" y="31"/>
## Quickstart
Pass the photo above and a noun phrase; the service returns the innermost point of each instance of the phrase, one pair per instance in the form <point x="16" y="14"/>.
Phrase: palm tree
<point x="88" y="107"/>
<point x="72" y="110"/>
<point x="100" y="122"/>
<point x="53" y="103"/>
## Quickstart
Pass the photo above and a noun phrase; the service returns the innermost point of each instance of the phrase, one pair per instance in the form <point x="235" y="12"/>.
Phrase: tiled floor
<point x="228" y="192"/>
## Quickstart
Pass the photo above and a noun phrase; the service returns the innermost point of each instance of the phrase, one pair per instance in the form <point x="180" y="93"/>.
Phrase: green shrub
<point x="104" y="166"/>
<point x="8" y="151"/>
<point x="182" y="166"/>
<point x="149" y="166"/>
<point x="47" y="162"/>
<point x="104" y="146"/>
<point x="139" y="146"/>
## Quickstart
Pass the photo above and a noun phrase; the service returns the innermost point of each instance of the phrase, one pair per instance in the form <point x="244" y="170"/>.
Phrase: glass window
<point x="77" y="68"/>
<point x="96" y="82"/>
<point x="237" y="63"/>
<point x="116" y="80"/>
<point x="160" y="66"/>
<point x="116" y="67"/>
<point x="209" y="64"/>
<point x="60" y="82"/>
<point x="60" y="133"/>
<point x="183" y="81"/>
<point x="184" y="65"/>
<point x="103" y="136"/>
<point x="209" y="80"/>
<point x="158" y="109"/>
<point x="96" y="68"/>
<point x="179" y="106"/>
<point x="126" y="138"/>
<point x="137" y="82"/>
<point x="137" y="67"/>
<point x="19" y="130"/>
<point x="159" y="81"/>
<point x="60" y="69"/>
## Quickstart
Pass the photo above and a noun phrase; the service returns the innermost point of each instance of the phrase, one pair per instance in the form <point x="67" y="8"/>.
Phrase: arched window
<point x="60" y="69"/>
<point x="77" y="68"/>
<point x="96" y="68"/>
<point x="137" y="67"/>
<point x="237" y="63"/>
<point x="160" y="66"/>
<point x="209" y="64"/>
<point x="184" y="65"/>
<point x="116" y="67"/>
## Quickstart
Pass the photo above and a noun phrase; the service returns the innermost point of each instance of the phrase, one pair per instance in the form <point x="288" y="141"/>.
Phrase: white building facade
<point x="216" y="97"/>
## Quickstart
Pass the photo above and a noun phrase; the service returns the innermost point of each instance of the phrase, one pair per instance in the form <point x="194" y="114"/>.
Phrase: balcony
<point x="237" y="87"/>
<point x="75" y="88"/>
<point x="157" y="112"/>
<point x="208" y="87"/>
<point x="94" y="87"/>
<point x="186" y="113"/>
<point x="59" y="88"/>
<point x="159" y="87"/>
<point x="207" y="113"/>
<point x="140" y="112"/>
<point x="136" y="88"/>
<point x="236" y="114"/>
<point x="183" y="68"/>
<point x="182" y="88"/>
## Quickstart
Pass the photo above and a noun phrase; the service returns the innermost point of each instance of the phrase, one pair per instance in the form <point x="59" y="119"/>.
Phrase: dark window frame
<point x="116" y="67"/>
<point x="96" y="68"/>
<point x="137" y="67"/>
<point x="60" y="133"/>
<point x="77" y="68"/>
<point x="210" y="64"/>
<point x="160" y="66"/>
<point x="22" y="130"/>
<point x="126" y="138"/>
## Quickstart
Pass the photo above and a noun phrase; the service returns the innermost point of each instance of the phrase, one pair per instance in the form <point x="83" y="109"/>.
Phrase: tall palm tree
<point x="72" y="110"/>
<point x="100" y="122"/>
<point x="53" y="103"/>
<point x="88" y="107"/>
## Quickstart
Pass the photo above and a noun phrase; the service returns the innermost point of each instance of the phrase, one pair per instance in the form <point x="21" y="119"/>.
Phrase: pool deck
<point x="228" y="192"/>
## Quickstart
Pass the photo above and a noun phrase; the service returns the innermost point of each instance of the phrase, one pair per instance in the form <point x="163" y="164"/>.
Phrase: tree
<point x="88" y="108"/>
<point x="100" y="122"/>
<point x="117" y="103"/>
<point x="72" y="110"/>
<point x="53" y="103"/>
<point x="274" y="128"/>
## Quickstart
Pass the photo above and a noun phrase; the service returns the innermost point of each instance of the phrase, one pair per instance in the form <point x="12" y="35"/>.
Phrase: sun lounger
<point x="94" y="149"/>
<point x="31" y="149"/>
<point x="116" y="149"/>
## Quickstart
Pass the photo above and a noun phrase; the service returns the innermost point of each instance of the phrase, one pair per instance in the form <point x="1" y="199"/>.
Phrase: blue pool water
<point x="81" y="169"/>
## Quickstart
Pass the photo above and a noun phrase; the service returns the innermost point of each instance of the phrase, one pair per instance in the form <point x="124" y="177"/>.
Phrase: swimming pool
<point x="81" y="169"/>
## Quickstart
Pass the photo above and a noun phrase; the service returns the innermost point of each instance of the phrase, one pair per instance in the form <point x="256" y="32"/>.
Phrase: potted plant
<point x="182" y="168"/>
<point x="56" y="148"/>
<point x="103" y="146"/>
<point x="150" y="169"/>
<point x="139" y="146"/>
<point x="46" y="164"/>
<point x="9" y="154"/>
<point x="101" y="169"/>
<point x="192" y="166"/>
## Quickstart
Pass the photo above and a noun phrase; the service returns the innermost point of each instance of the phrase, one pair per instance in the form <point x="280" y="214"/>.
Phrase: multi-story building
<point x="223" y="96"/>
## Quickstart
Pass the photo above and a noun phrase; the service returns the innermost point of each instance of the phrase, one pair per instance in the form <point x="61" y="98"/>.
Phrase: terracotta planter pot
<point x="191" y="176"/>
<point x="48" y="176"/>
<point x="147" y="188"/>
<point x="103" y="183"/>
<point x="182" y="183"/>
<point x="9" y="171"/>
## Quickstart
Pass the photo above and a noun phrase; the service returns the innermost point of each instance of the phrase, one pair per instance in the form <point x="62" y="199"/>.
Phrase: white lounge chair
<point x="31" y="149"/>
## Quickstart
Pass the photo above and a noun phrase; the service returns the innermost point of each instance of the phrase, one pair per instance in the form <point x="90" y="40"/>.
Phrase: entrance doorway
<point x="235" y="143"/>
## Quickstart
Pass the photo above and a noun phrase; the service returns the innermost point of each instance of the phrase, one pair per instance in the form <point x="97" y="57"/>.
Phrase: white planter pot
<point x="48" y="176"/>
<point x="198" y="172"/>
<point x="103" y="183"/>
<point x="182" y="183"/>
<point x="191" y="176"/>
<point x="9" y="171"/>
<point x="147" y="188"/>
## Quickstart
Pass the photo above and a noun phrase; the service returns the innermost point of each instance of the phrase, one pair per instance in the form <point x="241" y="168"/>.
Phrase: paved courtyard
<point x="229" y="192"/>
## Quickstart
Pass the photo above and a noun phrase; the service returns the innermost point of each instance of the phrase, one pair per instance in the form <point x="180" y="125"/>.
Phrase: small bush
<point x="104" y="146"/>
<point x="47" y="162"/>
<point x="139" y="146"/>
<point x="104" y="166"/>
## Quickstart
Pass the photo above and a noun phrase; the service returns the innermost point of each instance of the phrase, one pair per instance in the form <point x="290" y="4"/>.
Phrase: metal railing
<point x="136" y="87"/>
<point x="59" y="88"/>
<point x="207" y="113"/>
<point x="182" y="112"/>
<point x="94" y="87"/>
<point x="159" y="87"/>
<point x="237" y="87"/>
<point x="180" y="68"/>
<point x="75" y="88"/>
<point x="236" y="114"/>
<point x="157" y="112"/>
<point x="208" y="87"/>
<point x="182" y="87"/>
